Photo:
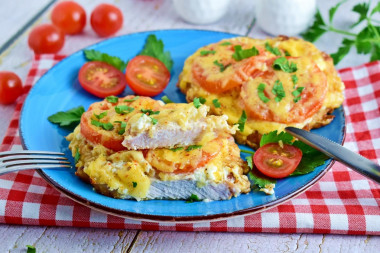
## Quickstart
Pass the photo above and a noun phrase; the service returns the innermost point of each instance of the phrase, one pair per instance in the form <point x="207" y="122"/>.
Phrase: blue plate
<point x="59" y="90"/>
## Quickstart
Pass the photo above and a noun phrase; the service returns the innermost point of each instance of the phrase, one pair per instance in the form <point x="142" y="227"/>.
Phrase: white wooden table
<point x="19" y="16"/>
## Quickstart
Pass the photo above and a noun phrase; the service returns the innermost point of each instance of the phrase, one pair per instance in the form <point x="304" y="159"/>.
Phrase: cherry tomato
<point x="106" y="19"/>
<point x="69" y="16"/>
<point x="46" y="39"/>
<point x="147" y="76"/>
<point x="276" y="161"/>
<point x="101" y="79"/>
<point x="10" y="87"/>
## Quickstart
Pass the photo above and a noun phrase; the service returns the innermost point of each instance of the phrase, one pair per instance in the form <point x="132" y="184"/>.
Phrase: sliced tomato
<point x="147" y="76"/>
<point x="277" y="161"/>
<point x="101" y="79"/>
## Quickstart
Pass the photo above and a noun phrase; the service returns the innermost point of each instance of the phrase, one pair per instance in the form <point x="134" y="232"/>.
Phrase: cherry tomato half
<point x="106" y="19"/>
<point x="10" y="87"/>
<point x="276" y="161"/>
<point x="69" y="16"/>
<point x="101" y="79"/>
<point x="147" y="76"/>
<point x="46" y="39"/>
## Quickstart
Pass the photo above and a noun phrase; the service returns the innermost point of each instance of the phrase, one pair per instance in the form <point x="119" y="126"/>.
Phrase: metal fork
<point x="22" y="160"/>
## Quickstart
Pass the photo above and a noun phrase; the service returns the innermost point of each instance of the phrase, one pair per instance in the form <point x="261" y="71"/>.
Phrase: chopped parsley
<point x="198" y="102"/>
<point x="112" y="99"/>
<point x="154" y="121"/>
<point x="106" y="126"/>
<point x="207" y="52"/>
<point x="192" y="147"/>
<point x="278" y="90"/>
<point x="216" y="103"/>
<point x="273" y="50"/>
<point x="283" y="64"/>
<point x="241" y="54"/>
<point x="134" y="184"/>
<point x="249" y="161"/>
<point x="30" y="249"/>
<point x="69" y="118"/>
<point x="166" y="100"/>
<point x="193" y="198"/>
<point x="297" y="94"/>
<point x="261" y="94"/>
<point x="242" y="120"/>
<point x="226" y="43"/>
<point x="150" y="112"/>
<point x="221" y="66"/>
<point x="131" y="100"/>
<point x="100" y="115"/>
<point x="287" y="53"/>
<point x="176" y="149"/>
<point x="77" y="156"/>
<point x="123" y="125"/>
<point x="123" y="109"/>
<point x="294" y="79"/>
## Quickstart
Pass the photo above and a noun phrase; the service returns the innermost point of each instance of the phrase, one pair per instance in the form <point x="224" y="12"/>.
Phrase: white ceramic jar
<point x="201" y="11"/>
<point x="286" y="17"/>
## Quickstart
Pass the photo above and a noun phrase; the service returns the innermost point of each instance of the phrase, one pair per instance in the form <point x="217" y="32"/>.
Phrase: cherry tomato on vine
<point x="276" y="161"/>
<point x="106" y="19"/>
<point x="101" y="79"/>
<point x="10" y="87"/>
<point x="69" y="16"/>
<point x="46" y="39"/>
<point x="147" y="76"/>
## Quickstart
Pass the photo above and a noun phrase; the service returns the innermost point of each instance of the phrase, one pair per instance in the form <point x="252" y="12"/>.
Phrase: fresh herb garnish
<point x="93" y="55"/>
<point x="247" y="151"/>
<point x="131" y="100"/>
<point x="166" y="100"/>
<point x="261" y="94"/>
<point x="192" y="147"/>
<point x="100" y="115"/>
<point x="273" y="50"/>
<point x="198" y="102"/>
<point x="30" y="249"/>
<point x="294" y="79"/>
<point x="69" y="118"/>
<point x="155" y="48"/>
<point x="241" y="121"/>
<point x="226" y="43"/>
<point x="249" y="161"/>
<point x="260" y="180"/>
<point x="241" y="54"/>
<point x="207" y="52"/>
<point x="193" y="198"/>
<point x="278" y="90"/>
<point x="77" y="156"/>
<point x="106" y="126"/>
<point x="112" y="99"/>
<point x="150" y="112"/>
<point x="134" y="184"/>
<point x="123" y="125"/>
<point x="176" y="149"/>
<point x="220" y="65"/>
<point x="287" y="53"/>
<point x="154" y="121"/>
<point x="216" y="103"/>
<point x="297" y="94"/>
<point x="283" y="64"/>
<point x="123" y="109"/>
<point x="366" y="41"/>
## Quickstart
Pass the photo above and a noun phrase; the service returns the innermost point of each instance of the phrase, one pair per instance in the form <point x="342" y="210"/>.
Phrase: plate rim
<point x="168" y="218"/>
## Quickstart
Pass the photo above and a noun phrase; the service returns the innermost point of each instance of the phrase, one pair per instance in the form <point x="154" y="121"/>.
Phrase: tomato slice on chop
<point x="147" y="76"/>
<point x="277" y="161"/>
<point x="101" y="79"/>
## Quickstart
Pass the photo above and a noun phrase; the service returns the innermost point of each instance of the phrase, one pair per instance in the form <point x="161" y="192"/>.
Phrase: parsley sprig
<point x="69" y="119"/>
<point x="155" y="48"/>
<point x="94" y="55"/>
<point x="367" y="41"/>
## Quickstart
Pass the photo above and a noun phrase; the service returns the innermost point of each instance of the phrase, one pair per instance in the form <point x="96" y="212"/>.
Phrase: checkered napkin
<point x="342" y="202"/>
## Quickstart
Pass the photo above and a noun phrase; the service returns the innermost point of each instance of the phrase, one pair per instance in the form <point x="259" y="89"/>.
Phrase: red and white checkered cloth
<point x="342" y="202"/>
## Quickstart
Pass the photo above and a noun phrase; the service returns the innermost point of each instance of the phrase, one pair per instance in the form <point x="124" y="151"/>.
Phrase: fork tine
<point x="33" y="166"/>
<point x="35" y="162"/>
<point x="20" y="157"/>
<point x="24" y="152"/>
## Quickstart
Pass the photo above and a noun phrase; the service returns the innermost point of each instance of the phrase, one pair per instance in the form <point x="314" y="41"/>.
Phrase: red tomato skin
<point x="140" y="88"/>
<point x="92" y="88"/>
<point x="106" y="19"/>
<point x="290" y="163"/>
<point x="69" y="16"/>
<point x="46" y="39"/>
<point x="10" y="87"/>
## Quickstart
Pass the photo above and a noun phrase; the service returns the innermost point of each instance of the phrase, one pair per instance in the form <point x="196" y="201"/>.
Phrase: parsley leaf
<point x="333" y="10"/>
<point x="278" y="90"/>
<point x="106" y="126"/>
<point x="123" y="125"/>
<point x="77" y="156"/>
<point x="93" y="55"/>
<point x="316" y="30"/>
<point x="294" y="79"/>
<point x="259" y="179"/>
<point x="207" y="52"/>
<point x="216" y="103"/>
<point x="112" y="99"/>
<point x="176" y="149"/>
<point x="134" y="184"/>
<point x="131" y="100"/>
<point x="220" y="65"/>
<point x="297" y="94"/>
<point x="261" y="94"/>
<point x="30" y="249"/>
<point x="226" y="43"/>
<point x="198" y="102"/>
<point x="242" y="120"/>
<point x="166" y="100"/>
<point x="283" y="64"/>
<point x="155" y="48"/>
<point x="123" y="109"/>
<point x="249" y="161"/>
<point x="69" y="118"/>
<point x="311" y="158"/>
<point x="100" y="115"/>
<point x="273" y="50"/>
<point x="273" y="137"/>
<point x="342" y="51"/>
<point x="241" y="54"/>
<point x="192" y="147"/>
<point x="193" y="198"/>
<point x="154" y="121"/>
<point x="150" y="112"/>
<point x="362" y="9"/>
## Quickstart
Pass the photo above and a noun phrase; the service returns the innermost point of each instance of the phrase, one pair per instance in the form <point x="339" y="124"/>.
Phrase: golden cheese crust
<point x="272" y="97"/>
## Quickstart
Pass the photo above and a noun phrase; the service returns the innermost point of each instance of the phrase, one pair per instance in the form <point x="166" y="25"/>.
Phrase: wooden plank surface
<point x="142" y="16"/>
